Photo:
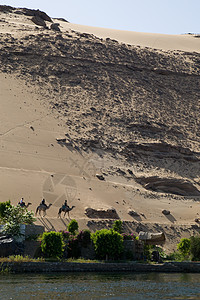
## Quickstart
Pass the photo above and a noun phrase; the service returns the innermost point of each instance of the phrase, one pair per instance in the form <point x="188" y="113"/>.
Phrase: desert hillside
<point x="108" y="120"/>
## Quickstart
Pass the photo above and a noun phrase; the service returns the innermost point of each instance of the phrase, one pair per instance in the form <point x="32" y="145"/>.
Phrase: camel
<point x="24" y="205"/>
<point x="65" y="209"/>
<point x="42" y="207"/>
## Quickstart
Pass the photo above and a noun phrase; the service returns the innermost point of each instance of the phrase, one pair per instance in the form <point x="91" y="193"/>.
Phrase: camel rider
<point x="65" y="204"/>
<point x="21" y="202"/>
<point x="43" y="202"/>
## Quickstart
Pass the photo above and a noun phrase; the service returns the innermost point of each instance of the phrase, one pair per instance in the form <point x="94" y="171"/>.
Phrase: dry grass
<point x="20" y="258"/>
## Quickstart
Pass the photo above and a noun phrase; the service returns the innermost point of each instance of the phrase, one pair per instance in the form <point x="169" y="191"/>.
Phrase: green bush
<point x="107" y="244"/>
<point x="175" y="256"/>
<point x="195" y="247"/>
<point x="3" y="207"/>
<point x="117" y="226"/>
<point x="72" y="226"/>
<point x="184" y="247"/>
<point x="147" y="251"/>
<point x="52" y="244"/>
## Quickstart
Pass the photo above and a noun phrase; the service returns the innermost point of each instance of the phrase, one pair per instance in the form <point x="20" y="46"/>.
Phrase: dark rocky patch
<point x="133" y="213"/>
<point x="38" y="21"/>
<point x="100" y="177"/>
<point x="166" y="212"/>
<point x="169" y="185"/>
<point x="109" y="213"/>
<point x="55" y="26"/>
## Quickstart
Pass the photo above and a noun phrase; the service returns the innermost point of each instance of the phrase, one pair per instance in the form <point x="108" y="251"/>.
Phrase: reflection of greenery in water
<point x="100" y="286"/>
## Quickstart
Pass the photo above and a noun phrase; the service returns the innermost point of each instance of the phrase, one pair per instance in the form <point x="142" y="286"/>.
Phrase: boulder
<point x="133" y="213"/>
<point x="166" y="212"/>
<point x="55" y="26"/>
<point x="100" y="177"/>
<point x="42" y="15"/>
<point x="37" y="13"/>
<point x="38" y="21"/>
<point x="61" y="140"/>
<point x="6" y="8"/>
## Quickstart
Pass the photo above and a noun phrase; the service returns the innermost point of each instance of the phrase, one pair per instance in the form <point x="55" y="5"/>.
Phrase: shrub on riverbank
<point x="184" y="247"/>
<point x="73" y="227"/>
<point x="188" y="249"/>
<point x="52" y="244"/>
<point x="108" y="244"/>
<point x="195" y="248"/>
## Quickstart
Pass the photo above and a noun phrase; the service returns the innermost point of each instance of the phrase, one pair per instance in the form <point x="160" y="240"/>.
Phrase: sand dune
<point x="183" y="42"/>
<point x="84" y="101"/>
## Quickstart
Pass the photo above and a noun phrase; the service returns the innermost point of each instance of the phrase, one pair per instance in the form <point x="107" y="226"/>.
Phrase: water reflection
<point x="100" y="286"/>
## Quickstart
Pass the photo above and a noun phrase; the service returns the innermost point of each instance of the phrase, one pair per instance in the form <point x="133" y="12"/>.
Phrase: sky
<point x="156" y="16"/>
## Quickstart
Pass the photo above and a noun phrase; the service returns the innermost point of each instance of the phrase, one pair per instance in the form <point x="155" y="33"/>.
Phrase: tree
<point x="117" y="226"/>
<point x="52" y="244"/>
<point x="13" y="217"/>
<point x="72" y="226"/>
<point x="107" y="243"/>
<point x="184" y="246"/>
<point x="195" y="247"/>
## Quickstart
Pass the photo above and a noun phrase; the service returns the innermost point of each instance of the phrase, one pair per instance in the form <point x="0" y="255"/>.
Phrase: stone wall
<point x="31" y="248"/>
<point x="33" y="230"/>
<point x="133" y="249"/>
<point x="40" y="267"/>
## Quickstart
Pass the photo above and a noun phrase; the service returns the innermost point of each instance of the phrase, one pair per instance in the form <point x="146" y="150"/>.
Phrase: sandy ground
<point x="36" y="163"/>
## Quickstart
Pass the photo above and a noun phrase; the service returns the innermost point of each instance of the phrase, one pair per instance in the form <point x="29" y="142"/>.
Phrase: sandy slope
<point x="126" y="112"/>
<point x="184" y="42"/>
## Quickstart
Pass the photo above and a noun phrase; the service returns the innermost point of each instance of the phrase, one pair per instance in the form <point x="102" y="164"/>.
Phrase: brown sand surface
<point x="85" y="101"/>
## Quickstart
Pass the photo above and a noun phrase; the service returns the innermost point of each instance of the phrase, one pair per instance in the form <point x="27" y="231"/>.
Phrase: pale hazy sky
<point x="157" y="16"/>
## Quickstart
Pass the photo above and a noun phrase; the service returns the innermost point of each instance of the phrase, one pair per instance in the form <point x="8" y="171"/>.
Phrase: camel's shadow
<point x="47" y="224"/>
<point x="64" y="222"/>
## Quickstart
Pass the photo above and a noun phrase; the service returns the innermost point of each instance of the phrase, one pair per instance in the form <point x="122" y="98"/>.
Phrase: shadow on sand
<point x="170" y="218"/>
<point x="47" y="224"/>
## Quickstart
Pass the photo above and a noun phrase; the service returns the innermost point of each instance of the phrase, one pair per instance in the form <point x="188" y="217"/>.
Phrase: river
<point x="100" y="286"/>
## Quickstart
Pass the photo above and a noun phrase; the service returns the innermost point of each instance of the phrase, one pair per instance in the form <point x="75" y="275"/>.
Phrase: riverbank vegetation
<point x="102" y="245"/>
<point x="108" y="245"/>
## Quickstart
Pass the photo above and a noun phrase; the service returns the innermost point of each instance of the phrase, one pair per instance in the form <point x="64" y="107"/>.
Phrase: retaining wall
<point x="48" y="267"/>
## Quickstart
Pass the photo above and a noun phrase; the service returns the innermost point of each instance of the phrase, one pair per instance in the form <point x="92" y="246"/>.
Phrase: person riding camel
<point x="65" y="204"/>
<point x="21" y="202"/>
<point x="43" y="202"/>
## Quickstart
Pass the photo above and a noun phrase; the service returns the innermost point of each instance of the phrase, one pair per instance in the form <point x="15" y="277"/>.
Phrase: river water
<point x="100" y="286"/>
